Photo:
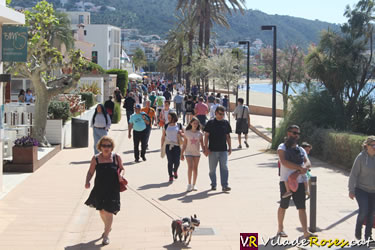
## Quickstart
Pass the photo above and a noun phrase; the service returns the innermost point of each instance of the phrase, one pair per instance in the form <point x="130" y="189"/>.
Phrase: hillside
<point x="157" y="17"/>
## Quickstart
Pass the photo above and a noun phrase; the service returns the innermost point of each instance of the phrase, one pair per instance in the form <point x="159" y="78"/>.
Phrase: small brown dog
<point x="184" y="228"/>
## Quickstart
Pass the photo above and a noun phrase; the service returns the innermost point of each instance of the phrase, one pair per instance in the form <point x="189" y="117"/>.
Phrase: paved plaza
<point x="47" y="211"/>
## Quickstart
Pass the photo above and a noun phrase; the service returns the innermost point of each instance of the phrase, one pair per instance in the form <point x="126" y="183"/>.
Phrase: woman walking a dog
<point x="193" y="140"/>
<point x="105" y="196"/>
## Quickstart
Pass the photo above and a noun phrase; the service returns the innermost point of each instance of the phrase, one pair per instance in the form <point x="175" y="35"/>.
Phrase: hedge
<point x="122" y="79"/>
<point x="116" y="117"/>
<point x="59" y="110"/>
<point x="89" y="99"/>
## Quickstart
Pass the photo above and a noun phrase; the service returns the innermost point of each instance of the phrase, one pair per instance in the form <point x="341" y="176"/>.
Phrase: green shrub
<point x="320" y="121"/>
<point x="122" y="79"/>
<point x="116" y="117"/>
<point x="89" y="99"/>
<point x="59" y="110"/>
<point x="91" y="67"/>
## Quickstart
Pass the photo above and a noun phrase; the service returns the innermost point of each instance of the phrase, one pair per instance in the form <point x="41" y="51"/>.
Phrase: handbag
<point x="123" y="182"/>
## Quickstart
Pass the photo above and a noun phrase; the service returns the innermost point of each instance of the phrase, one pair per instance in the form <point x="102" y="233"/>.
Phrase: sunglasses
<point x="294" y="132"/>
<point x="106" y="145"/>
<point x="372" y="145"/>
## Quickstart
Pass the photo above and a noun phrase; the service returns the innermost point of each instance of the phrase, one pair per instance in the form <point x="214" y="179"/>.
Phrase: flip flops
<point x="282" y="234"/>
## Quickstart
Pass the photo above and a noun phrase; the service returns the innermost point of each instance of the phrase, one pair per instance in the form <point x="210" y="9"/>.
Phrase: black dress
<point x="106" y="192"/>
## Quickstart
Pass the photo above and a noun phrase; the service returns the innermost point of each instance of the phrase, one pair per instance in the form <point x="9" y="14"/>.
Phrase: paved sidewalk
<point x="46" y="210"/>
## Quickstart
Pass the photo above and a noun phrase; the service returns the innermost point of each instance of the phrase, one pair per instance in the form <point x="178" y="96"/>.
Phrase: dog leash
<point x="152" y="203"/>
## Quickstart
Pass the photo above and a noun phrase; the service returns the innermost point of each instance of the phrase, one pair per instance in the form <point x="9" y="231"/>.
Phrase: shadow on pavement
<point x="119" y="130"/>
<point x="172" y="196"/>
<point x="147" y="151"/>
<point x="156" y="185"/>
<point x="199" y="196"/>
<point x="243" y="157"/>
<point x="341" y="220"/>
<point x="176" y="246"/>
<point x="79" y="162"/>
<point x="89" y="245"/>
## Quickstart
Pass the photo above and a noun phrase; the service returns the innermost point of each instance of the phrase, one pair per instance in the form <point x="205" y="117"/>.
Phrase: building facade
<point x="7" y="16"/>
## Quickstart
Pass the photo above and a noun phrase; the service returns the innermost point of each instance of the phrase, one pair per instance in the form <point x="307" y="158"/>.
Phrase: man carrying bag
<point x="242" y="114"/>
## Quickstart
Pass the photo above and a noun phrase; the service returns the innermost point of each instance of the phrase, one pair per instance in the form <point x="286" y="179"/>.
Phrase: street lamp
<point x="270" y="27"/>
<point x="248" y="69"/>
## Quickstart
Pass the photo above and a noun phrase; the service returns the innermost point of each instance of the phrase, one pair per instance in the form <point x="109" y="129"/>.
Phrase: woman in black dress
<point x="105" y="196"/>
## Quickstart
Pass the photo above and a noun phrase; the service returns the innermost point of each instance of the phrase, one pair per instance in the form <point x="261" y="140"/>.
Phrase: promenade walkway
<point x="46" y="210"/>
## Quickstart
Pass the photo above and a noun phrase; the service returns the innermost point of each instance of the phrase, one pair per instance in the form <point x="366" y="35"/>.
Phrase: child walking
<point x="191" y="147"/>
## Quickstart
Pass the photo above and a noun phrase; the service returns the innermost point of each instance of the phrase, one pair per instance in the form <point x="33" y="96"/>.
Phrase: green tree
<point x="290" y="69"/>
<point x="42" y="57"/>
<point x="139" y="58"/>
<point x="224" y="68"/>
<point x="208" y="12"/>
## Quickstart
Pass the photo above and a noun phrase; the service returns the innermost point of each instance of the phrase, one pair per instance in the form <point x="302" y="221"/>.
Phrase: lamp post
<point x="273" y="27"/>
<point x="248" y="70"/>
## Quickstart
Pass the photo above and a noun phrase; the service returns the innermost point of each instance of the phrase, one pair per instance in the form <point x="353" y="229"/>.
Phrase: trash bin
<point x="80" y="133"/>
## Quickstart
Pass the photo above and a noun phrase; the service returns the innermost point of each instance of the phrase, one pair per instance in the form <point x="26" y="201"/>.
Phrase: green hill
<point x="157" y="17"/>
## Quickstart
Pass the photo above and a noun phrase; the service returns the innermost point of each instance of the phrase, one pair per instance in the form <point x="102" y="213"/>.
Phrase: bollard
<point x="313" y="196"/>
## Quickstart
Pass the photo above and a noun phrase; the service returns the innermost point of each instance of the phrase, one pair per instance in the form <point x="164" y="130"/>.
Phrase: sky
<point x="324" y="10"/>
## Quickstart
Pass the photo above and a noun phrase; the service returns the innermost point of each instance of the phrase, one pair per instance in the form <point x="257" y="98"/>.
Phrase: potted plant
<point x="25" y="150"/>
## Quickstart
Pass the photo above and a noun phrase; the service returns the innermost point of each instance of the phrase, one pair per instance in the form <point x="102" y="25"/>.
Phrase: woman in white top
<point x="101" y="123"/>
<point x="193" y="140"/>
<point x="170" y="139"/>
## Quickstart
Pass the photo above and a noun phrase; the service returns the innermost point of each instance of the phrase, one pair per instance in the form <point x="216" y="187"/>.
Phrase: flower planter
<point x="25" y="154"/>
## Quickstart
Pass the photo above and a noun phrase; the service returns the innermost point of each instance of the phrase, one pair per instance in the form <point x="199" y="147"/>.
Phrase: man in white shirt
<point x="286" y="169"/>
<point x="213" y="108"/>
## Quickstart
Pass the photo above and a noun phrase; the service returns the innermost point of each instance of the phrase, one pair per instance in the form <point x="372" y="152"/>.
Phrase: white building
<point x="77" y="17"/>
<point x="105" y="37"/>
<point x="132" y="45"/>
<point x="107" y="44"/>
<point x="7" y="16"/>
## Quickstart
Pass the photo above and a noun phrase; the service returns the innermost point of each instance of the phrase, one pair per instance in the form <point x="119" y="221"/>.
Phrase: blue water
<point x="267" y="88"/>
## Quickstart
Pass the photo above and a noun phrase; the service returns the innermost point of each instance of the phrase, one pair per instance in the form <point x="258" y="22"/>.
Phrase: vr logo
<point x="248" y="241"/>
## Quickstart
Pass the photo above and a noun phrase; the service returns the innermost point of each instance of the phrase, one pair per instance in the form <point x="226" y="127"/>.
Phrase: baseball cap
<point x="137" y="106"/>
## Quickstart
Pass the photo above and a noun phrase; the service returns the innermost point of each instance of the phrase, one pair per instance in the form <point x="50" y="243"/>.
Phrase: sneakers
<point x="226" y="189"/>
<point x="286" y="194"/>
<point x="189" y="188"/>
<point x="143" y="158"/>
<point x="105" y="240"/>
<point x="239" y="147"/>
<point x="175" y="175"/>
<point x="195" y="188"/>
<point x="213" y="188"/>
<point x="170" y="178"/>
<point x="136" y="160"/>
<point x="247" y="145"/>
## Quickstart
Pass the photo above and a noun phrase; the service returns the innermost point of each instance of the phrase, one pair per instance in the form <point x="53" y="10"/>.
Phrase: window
<point x="109" y="48"/>
<point x="85" y="32"/>
<point x="109" y="34"/>
<point x="81" y="19"/>
<point x="109" y="63"/>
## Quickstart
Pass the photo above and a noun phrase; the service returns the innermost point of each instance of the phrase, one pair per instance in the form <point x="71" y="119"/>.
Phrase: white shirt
<point x="212" y="110"/>
<point x="284" y="171"/>
<point x="171" y="133"/>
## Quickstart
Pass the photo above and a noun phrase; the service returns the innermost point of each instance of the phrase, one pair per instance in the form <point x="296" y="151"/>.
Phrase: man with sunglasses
<point x="217" y="136"/>
<point x="286" y="169"/>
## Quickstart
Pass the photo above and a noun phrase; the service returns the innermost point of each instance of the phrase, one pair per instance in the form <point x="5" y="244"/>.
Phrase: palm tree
<point x="62" y="33"/>
<point x="208" y="12"/>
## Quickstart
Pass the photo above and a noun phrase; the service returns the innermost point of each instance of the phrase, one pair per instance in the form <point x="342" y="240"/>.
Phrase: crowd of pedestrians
<point x="208" y="131"/>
